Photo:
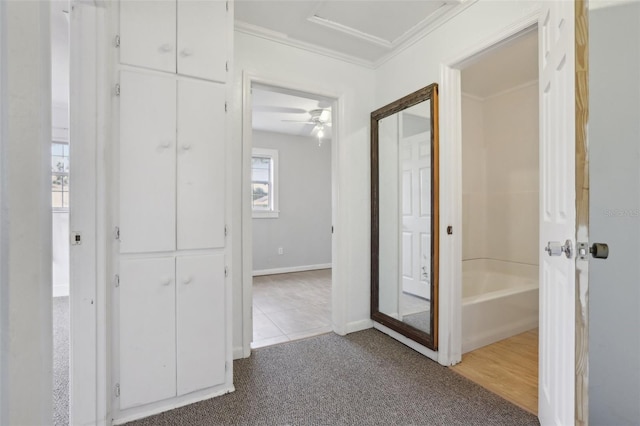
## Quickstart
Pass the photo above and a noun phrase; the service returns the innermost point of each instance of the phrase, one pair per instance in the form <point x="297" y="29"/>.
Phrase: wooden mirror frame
<point x="430" y="340"/>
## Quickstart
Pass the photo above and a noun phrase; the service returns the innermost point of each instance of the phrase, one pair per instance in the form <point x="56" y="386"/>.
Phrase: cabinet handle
<point x="187" y="279"/>
<point x="186" y="52"/>
<point x="164" y="145"/>
<point x="166" y="48"/>
<point x="186" y="147"/>
<point x="166" y="281"/>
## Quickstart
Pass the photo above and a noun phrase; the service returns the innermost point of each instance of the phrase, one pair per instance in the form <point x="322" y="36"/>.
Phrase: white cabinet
<point x="147" y="331"/>
<point x="147" y="163"/>
<point x="172" y="166"/>
<point x="200" y="322"/>
<point x="201" y="165"/>
<point x="172" y="327"/>
<point x="148" y="34"/>
<point x="184" y="36"/>
<point x="202" y="39"/>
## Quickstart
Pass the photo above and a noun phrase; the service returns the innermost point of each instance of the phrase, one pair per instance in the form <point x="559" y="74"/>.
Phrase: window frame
<point x="61" y="174"/>
<point x="273" y="212"/>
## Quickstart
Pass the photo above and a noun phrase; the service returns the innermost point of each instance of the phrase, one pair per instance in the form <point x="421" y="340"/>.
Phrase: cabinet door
<point x="201" y="165"/>
<point x="147" y="163"/>
<point x="148" y="34"/>
<point x="147" y="331"/>
<point x="201" y="322"/>
<point x="202" y="39"/>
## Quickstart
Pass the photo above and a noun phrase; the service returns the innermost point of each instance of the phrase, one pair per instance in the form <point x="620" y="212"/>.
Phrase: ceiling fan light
<point x="320" y="133"/>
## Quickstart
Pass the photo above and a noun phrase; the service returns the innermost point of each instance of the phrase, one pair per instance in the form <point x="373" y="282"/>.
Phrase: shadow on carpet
<point x="365" y="378"/>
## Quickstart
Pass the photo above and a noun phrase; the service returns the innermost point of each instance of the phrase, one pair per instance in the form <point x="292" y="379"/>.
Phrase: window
<point x="264" y="183"/>
<point x="60" y="176"/>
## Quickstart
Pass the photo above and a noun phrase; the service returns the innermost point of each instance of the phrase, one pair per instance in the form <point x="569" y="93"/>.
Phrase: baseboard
<point x="238" y="352"/>
<point x="157" y="408"/>
<point x="291" y="269"/>
<point x="355" y="326"/>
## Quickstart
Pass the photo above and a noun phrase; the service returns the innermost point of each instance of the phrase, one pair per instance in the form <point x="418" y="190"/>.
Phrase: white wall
<point x="303" y="226"/>
<point x="25" y="258"/>
<point x="353" y="84"/>
<point x="614" y="215"/>
<point x="500" y="176"/>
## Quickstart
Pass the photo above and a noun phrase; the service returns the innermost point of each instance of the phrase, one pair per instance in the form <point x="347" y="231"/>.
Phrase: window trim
<point x="274" y="212"/>
<point x="60" y="209"/>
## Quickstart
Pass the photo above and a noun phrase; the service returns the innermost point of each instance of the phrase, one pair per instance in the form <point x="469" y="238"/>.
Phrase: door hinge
<point x="116" y="280"/>
<point x="225" y="106"/>
<point x="226" y="66"/>
<point x="117" y="390"/>
<point x="226" y="271"/>
<point x="226" y="230"/>
<point x="227" y="5"/>
<point x="117" y="41"/>
<point x="117" y="90"/>
<point x="116" y="233"/>
<point x="226" y="366"/>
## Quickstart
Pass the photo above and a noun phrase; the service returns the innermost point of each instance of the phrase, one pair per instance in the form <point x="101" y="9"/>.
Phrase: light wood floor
<point x="508" y="368"/>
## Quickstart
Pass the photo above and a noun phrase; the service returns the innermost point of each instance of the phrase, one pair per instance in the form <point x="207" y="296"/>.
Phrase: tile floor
<point x="291" y="306"/>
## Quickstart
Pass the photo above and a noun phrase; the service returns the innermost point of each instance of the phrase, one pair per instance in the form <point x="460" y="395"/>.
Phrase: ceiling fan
<point x="320" y="118"/>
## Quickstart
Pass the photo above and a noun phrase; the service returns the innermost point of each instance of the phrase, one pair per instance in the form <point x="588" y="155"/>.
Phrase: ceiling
<point x="360" y="31"/>
<point x="512" y="64"/>
<point x="284" y="111"/>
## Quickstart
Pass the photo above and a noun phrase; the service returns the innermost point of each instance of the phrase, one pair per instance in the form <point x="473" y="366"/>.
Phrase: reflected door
<point x="415" y="158"/>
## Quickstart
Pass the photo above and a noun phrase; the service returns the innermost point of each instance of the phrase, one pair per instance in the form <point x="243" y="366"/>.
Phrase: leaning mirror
<point x="404" y="216"/>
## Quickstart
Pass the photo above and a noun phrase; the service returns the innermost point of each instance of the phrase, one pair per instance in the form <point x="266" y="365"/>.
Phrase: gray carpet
<point x="60" y="361"/>
<point x="365" y="378"/>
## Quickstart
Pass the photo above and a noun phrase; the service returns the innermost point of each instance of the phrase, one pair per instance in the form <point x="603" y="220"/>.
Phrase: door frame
<point x="338" y="287"/>
<point x="451" y="182"/>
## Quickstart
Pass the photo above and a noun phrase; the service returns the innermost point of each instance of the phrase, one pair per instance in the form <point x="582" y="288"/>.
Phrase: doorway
<point x="500" y="220"/>
<point x="291" y="214"/>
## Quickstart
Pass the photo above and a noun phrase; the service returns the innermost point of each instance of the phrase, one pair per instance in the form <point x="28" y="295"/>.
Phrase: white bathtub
<point x="499" y="300"/>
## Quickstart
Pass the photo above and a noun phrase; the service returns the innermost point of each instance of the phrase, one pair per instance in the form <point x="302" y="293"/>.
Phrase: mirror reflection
<point x="402" y="165"/>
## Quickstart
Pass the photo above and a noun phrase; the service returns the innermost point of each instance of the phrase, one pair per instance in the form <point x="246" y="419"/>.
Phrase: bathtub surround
<point x="500" y="176"/>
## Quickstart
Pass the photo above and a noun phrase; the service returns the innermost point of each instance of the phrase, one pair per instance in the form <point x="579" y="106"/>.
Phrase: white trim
<point x="151" y="409"/>
<point x="257" y="31"/>
<point x="274" y="212"/>
<point x="378" y="41"/>
<point x="472" y="97"/>
<point x="450" y="314"/>
<point x="290" y="269"/>
<point x="338" y="285"/>
<point x="408" y="342"/>
<point x="356" y="326"/>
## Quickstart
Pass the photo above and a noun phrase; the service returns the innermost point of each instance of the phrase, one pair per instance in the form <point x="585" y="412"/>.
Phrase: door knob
<point x="186" y="52"/>
<point x="166" y="48"/>
<point x="555" y="248"/>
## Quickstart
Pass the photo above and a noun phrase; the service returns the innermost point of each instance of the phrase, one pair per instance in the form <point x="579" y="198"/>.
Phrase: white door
<point x="202" y="39"/>
<point x="147" y="331"/>
<point x="557" y="213"/>
<point x="200" y="322"/>
<point x="415" y="159"/>
<point x="201" y="165"/>
<point x="148" y="34"/>
<point x="147" y="163"/>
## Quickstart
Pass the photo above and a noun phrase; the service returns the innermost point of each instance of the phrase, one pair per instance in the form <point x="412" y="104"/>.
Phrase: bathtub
<point x="499" y="300"/>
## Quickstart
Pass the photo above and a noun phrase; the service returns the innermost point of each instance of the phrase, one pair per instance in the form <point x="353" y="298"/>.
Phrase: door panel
<point x="557" y="213"/>
<point x="201" y="326"/>
<point x="148" y="34"/>
<point x="147" y="163"/>
<point x="202" y="39"/>
<point x="147" y="331"/>
<point x="201" y="165"/>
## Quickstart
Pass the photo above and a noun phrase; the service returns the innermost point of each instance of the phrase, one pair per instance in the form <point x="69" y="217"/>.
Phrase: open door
<point x="557" y="213"/>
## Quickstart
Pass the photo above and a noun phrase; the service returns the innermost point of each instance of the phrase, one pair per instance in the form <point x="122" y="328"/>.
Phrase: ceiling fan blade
<point x="298" y="121"/>
<point x="279" y="109"/>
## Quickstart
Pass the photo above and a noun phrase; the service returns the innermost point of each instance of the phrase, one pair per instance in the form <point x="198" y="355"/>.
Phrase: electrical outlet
<point x="280" y="250"/>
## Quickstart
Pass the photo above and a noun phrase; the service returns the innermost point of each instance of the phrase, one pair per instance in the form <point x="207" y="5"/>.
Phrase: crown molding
<point x="257" y="31"/>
